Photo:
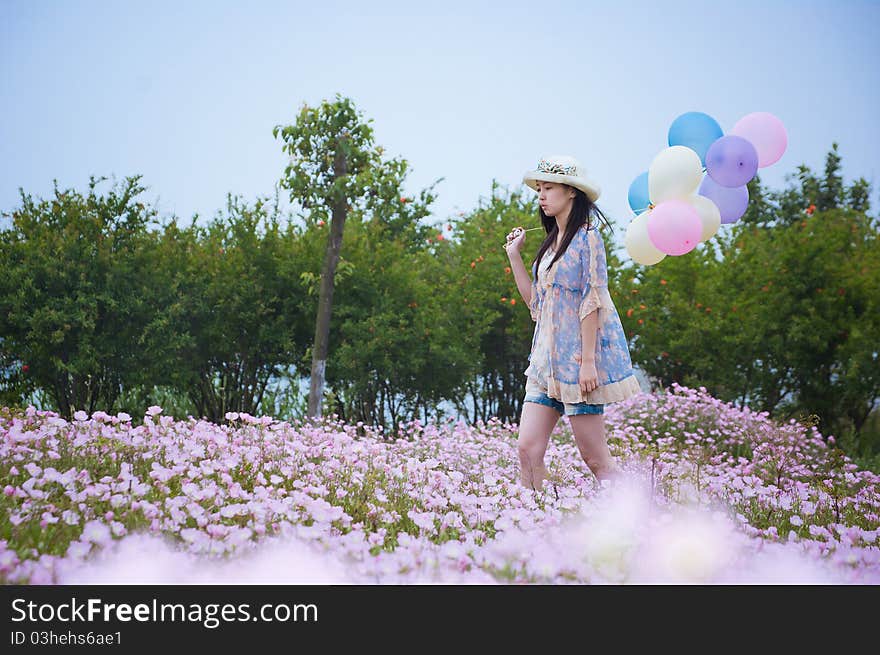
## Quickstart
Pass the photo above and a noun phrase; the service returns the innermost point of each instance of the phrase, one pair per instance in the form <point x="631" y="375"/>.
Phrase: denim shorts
<point x="536" y="393"/>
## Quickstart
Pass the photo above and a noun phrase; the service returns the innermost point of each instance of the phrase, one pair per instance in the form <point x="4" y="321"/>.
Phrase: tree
<point x="336" y="168"/>
<point x="493" y="323"/>
<point x="395" y="338"/>
<point x="331" y="150"/>
<point x="236" y="321"/>
<point x="79" y="304"/>
<point x="393" y="351"/>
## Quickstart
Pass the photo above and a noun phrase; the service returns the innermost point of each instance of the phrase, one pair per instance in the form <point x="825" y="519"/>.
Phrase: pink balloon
<point x="767" y="134"/>
<point x="674" y="227"/>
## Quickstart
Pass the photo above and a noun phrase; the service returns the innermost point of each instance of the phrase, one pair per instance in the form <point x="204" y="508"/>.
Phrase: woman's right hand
<point x="515" y="240"/>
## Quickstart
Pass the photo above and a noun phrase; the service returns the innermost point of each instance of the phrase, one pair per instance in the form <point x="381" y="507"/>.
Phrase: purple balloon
<point x="732" y="161"/>
<point x="731" y="202"/>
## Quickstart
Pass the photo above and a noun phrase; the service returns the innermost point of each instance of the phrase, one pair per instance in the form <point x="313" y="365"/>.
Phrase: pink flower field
<point x="711" y="494"/>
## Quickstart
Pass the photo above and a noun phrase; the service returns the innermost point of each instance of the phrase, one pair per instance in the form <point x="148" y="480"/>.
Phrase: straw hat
<point x="564" y="169"/>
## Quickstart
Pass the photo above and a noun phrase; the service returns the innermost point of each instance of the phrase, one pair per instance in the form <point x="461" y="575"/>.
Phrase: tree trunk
<point x="339" y="211"/>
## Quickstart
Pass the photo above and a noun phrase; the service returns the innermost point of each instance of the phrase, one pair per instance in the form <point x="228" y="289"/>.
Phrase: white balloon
<point x="638" y="243"/>
<point x="676" y="172"/>
<point x="710" y="215"/>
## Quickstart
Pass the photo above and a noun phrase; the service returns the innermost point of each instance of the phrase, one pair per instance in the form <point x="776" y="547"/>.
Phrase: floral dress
<point x="562" y="295"/>
<point x="540" y="355"/>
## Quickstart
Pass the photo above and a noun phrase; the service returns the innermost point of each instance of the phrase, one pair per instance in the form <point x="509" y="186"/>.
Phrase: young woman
<point x="579" y="359"/>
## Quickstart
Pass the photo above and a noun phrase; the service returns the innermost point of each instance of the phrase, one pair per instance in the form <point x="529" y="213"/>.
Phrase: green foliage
<point x="331" y="154"/>
<point x="493" y="323"/>
<point x="393" y="334"/>
<point x="243" y="326"/>
<point x="78" y="305"/>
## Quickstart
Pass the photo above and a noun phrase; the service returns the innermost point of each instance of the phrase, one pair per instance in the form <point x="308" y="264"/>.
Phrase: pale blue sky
<point x="187" y="93"/>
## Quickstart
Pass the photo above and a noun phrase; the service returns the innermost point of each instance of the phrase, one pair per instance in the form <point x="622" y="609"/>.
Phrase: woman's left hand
<point x="588" y="379"/>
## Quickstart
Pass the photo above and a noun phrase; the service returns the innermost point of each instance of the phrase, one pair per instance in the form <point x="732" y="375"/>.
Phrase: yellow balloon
<point x="710" y="215"/>
<point x="638" y="243"/>
<point x="675" y="172"/>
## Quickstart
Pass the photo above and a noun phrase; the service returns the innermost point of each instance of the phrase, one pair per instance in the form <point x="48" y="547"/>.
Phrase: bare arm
<point x="521" y="275"/>
<point x="595" y="275"/>
<point x="589" y="329"/>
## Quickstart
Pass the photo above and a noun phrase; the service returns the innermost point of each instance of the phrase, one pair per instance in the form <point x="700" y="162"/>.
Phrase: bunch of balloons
<point x="676" y="205"/>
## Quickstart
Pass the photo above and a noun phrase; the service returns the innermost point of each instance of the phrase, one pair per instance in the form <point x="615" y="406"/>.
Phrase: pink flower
<point x="818" y="531"/>
<point x="96" y="532"/>
<point x="78" y="549"/>
<point x="8" y="560"/>
<point x="425" y="520"/>
<point x="193" y="536"/>
<point x="47" y="517"/>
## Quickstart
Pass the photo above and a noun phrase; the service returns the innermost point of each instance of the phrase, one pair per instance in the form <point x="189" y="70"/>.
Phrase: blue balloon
<point x="638" y="193"/>
<point x="695" y="130"/>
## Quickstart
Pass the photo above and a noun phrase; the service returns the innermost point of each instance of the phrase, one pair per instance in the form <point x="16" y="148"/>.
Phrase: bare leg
<point x="536" y="424"/>
<point x="589" y="435"/>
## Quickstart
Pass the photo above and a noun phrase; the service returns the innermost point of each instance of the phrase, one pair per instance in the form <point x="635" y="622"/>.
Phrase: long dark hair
<point x="582" y="210"/>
